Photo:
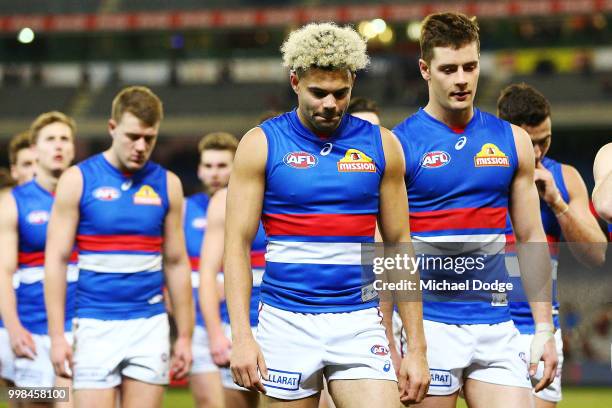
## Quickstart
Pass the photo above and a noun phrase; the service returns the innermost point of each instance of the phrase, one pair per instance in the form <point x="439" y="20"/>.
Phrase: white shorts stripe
<point x="120" y="263"/>
<point x="324" y="253"/>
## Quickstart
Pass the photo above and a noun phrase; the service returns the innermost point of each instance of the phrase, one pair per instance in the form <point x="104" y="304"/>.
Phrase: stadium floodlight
<point x="413" y="30"/>
<point x="379" y="26"/>
<point x="26" y="35"/>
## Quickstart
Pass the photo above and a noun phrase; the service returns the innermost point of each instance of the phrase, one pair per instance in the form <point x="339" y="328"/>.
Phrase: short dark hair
<point x="447" y="30"/>
<point x="522" y="104"/>
<point x="141" y="102"/>
<point x="48" y="118"/>
<point x="18" y="142"/>
<point x="218" y="141"/>
<point x="361" y="104"/>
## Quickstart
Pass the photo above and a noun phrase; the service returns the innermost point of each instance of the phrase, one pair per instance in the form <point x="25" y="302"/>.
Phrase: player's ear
<point x="295" y="80"/>
<point x="424" y="68"/>
<point x="111" y="126"/>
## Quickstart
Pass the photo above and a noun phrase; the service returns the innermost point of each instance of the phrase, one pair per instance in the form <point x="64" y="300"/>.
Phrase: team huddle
<point x="262" y="271"/>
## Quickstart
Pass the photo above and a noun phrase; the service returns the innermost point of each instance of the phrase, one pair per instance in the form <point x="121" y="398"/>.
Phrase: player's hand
<point x="547" y="189"/>
<point x="61" y="357"/>
<point x="413" y="377"/>
<point x="543" y="348"/>
<point x="246" y="360"/>
<point x="220" y="350"/>
<point x="181" y="358"/>
<point x="22" y="343"/>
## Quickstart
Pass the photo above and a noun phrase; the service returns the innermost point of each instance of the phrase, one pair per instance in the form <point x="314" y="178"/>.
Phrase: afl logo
<point x="300" y="160"/>
<point x="435" y="159"/>
<point x="379" y="350"/>
<point x="38" y="217"/>
<point x="106" y="193"/>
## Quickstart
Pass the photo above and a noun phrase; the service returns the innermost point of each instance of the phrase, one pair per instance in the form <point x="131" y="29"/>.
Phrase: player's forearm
<point x="386" y="308"/>
<point x="178" y="278"/>
<point x="238" y="286"/>
<point x="536" y="278"/>
<point x="587" y="241"/>
<point x="8" y="302"/>
<point x="209" y="303"/>
<point x="412" y="319"/>
<point x="55" y="295"/>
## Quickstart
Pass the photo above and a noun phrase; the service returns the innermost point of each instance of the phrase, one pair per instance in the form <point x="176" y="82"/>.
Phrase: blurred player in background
<point x="464" y="169"/>
<point x="321" y="178"/>
<point x="216" y="156"/>
<point x="7" y="359"/>
<point x="602" y="193"/>
<point x="217" y="320"/>
<point x="23" y="226"/>
<point x="22" y="157"/>
<point x="365" y="109"/>
<point x="564" y="209"/>
<point x="125" y="214"/>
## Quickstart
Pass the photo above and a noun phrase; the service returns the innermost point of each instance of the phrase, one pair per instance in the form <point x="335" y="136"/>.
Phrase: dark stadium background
<point x="216" y="66"/>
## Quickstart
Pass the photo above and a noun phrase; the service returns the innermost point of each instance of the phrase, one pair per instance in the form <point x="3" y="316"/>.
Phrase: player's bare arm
<point x="394" y="228"/>
<point x="602" y="193"/>
<point x="247" y="184"/>
<point x="178" y="277"/>
<point x="527" y="224"/>
<point x="210" y="264"/>
<point x="21" y="340"/>
<point x="61" y="234"/>
<point x="579" y="226"/>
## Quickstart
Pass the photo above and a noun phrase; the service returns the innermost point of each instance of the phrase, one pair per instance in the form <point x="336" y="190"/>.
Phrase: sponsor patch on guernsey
<point x="356" y="161"/>
<point x="490" y="156"/>
<point x="284" y="380"/>
<point x="106" y="193"/>
<point x="432" y="160"/>
<point x="300" y="160"/>
<point x="440" y="378"/>
<point x="147" y="196"/>
<point x="199" y="223"/>
<point x="38" y="217"/>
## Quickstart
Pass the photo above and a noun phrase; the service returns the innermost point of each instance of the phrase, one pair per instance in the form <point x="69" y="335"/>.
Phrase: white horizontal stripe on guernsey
<point x="195" y="279"/>
<point x="37" y="274"/>
<point x="512" y="265"/>
<point x="326" y="253"/>
<point x="120" y="263"/>
<point x="490" y="244"/>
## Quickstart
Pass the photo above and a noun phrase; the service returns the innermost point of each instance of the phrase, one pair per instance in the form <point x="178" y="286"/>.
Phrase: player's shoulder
<point x="407" y="125"/>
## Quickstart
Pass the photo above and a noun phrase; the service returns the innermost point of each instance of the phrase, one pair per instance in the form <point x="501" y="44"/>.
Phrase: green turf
<point x="572" y="398"/>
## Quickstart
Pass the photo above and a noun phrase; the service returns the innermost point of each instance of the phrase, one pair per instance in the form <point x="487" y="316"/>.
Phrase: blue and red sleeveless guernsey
<point x="320" y="204"/>
<point x="119" y="238"/>
<point x="34" y="208"/>
<point x="194" y="226"/>
<point x="458" y="184"/>
<point x="519" y="306"/>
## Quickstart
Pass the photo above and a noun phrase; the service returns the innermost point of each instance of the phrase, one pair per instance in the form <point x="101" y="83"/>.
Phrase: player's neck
<point x="454" y="119"/>
<point x="47" y="180"/>
<point x="114" y="161"/>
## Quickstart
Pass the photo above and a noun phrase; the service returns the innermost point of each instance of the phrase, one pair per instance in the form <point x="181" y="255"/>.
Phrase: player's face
<point x="54" y="147"/>
<point x="215" y="169"/>
<point x="369" y="116"/>
<point x="25" y="165"/>
<point x="133" y="141"/>
<point x="323" y="97"/>
<point x="452" y="76"/>
<point x="540" y="137"/>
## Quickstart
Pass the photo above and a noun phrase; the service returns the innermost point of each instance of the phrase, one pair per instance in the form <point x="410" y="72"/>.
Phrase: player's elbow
<point x="603" y="208"/>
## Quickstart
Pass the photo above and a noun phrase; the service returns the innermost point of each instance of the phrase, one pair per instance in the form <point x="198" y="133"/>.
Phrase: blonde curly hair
<point x="325" y="45"/>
